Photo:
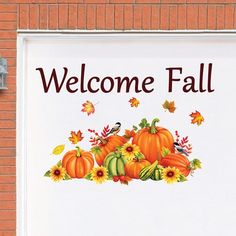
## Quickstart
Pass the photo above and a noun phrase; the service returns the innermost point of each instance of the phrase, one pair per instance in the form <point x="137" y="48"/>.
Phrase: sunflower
<point x="171" y="174"/>
<point x="57" y="173"/>
<point x="99" y="174"/>
<point x="129" y="151"/>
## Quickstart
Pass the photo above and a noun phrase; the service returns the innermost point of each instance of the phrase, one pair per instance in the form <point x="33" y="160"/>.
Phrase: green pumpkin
<point x="115" y="163"/>
<point x="156" y="175"/>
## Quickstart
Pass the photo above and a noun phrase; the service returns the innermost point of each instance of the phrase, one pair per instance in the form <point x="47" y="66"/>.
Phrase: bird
<point x="179" y="148"/>
<point x="115" y="129"/>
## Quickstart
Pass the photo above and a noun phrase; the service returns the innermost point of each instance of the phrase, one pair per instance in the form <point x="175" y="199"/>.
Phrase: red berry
<point x="122" y="178"/>
<point x="115" y="178"/>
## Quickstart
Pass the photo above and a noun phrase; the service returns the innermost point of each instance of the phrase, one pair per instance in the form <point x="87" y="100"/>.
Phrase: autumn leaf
<point x="129" y="133"/>
<point x="134" y="102"/>
<point x="170" y="106"/>
<point x="58" y="149"/>
<point x="75" y="137"/>
<point x="88" y="107"/>
<point x="197" y="118"/>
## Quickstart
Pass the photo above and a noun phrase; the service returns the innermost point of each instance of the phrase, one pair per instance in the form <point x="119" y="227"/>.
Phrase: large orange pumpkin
<point x="177" y="160"/>
<point x="106" y="146"/>
<point x="133" y="168"/>
<point x="152" y="139"/>
<point x="77" y="163"/>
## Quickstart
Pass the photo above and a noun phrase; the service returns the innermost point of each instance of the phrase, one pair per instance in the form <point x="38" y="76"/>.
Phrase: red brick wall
<point x="91" y="15"/>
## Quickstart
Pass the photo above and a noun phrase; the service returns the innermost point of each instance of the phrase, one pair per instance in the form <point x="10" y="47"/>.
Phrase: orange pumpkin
<point x="152" y="139"/>
<point x="106" y="146"/>
<point x="133" y="168"/>
<point x="77" y="163"/>
<point x="177" y="160"/>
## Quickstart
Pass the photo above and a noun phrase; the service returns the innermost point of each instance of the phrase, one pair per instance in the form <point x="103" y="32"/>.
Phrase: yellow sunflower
<point x="99" y="174"/>
<point x="57" y="173"/>
<point x="129" y="151"/>
<point x="171" y="174"/>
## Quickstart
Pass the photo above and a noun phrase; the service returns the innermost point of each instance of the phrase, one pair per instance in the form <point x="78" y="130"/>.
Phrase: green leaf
<point x="196" y="164"/>
<point x="67" y="177"/>
<point x="96" y="150"/>
<point x="88" y="176"/>
<point x="135" y="128"/>
<point x="59" y="163"/>
<point x="47" y="174"/>
<point x="165" y="151"/>
<point x="144" y="123"/>
<point x="182" y="178"/>
<point x="110" y="177"/>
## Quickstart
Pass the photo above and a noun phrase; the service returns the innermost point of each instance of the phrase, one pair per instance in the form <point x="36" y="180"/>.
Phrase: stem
<point x="102" y="140"/>
<point x="153" y="129"/>
<point x="78" y="151"/>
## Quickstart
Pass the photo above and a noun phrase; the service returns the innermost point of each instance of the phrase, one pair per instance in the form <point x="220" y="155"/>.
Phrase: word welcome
<point x="108" y="84"/>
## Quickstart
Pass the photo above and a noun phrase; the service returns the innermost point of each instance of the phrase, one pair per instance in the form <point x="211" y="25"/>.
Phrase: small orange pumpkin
<point x="77" y="163"/>
<point x="152" y="139"/>
<point x="106" y="146"/>
<point x="133" y="168"/>
<point x="177" y="160"/>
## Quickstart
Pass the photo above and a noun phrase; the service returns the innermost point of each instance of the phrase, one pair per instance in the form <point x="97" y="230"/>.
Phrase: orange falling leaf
<point x="88" y="107"/>
<point x="134" y="102"/>
<point x="129" y="133"/>
<point x="75" y="137"/>
<point x="170" y="106"/>
<point x="197" y="118"/>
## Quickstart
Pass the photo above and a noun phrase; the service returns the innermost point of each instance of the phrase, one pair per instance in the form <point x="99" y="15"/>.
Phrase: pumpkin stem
<point x="78" y="151"/>
<point x="153" y="129"/>
<point x="102" y="140"/>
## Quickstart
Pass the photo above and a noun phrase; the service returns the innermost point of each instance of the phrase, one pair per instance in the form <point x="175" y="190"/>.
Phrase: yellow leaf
<point x="76" y="137"/>
<point x="134" y="102"/>
<point x="197" y="118"/>
<point x="58" y="149"/>
<point x="170" y="106"/>
<point x="88" y="107"/>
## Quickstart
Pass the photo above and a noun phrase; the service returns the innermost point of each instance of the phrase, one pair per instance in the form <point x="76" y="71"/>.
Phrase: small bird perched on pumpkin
<point x="180" y="149"/>
<point x="115" y="129"/>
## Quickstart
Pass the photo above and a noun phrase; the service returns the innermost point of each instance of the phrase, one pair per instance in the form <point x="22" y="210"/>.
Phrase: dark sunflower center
<point x="170" y="174"/>
<point x="100" y="173"/>
<point x="57" y="172"/>
<point x="129" y="149"/>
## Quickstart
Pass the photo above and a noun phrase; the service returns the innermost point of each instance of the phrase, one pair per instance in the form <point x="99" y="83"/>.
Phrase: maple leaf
<point x="134" y="102"/>
<point x="88" y="107"/>
<point x="197" y="118"/>
<point x="129" y="133"/>
<point x="75" y="137"/>
<point x="170" y="106"/>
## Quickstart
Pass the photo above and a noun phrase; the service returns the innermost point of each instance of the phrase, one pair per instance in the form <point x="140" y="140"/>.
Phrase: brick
<point x="155" y="17"/>
<point x="53" y="16"/>
<point x="81" y="16"/>
<point x="23" y="20"/>
<point x="96" y="1"/>
<point x="182" y="15"/>
<point x="8" y="53"/>
<point x="7" y="215"/>
<point x="173" y="17"/>
<point x="146" y="17"/>
<point x="137" y="17"/>
<point x="7" y="115"/>
<point x="7" y="170"/>
<point x="8" y="233"/>
<point x="6" y="143"/>
<point x="8" y="8"/>
<point x="7" y="124"/>
<point x="229" y="17"/>
<point x="63" y="16"/>
<point x="7" y="25"/>
<point x="7" y="180"/>
<point x="122" y="1"/>
<point x="220" y="14"/>
<point x="128" y="16"/>
<point x="43" y="16"/>
<point x="211" y="19"/>
<point x="109" y="16"/>
<point x="119" y="17"/>
<point x="7" y="106"/>
<point x="91" y="16"/>
<point x="7" y="197"/>
<point x="164" y="21"/>
<point x="202" y="17"/>
<point x="6" y="133"/>
<point x="148" y="1"/>
<point x="34" y="16"/>
<point x="101" y="16"/>
<point x="192" y="17"/>
<point x="5" y="187"/>
<point x="7" y="161"/>
<point x="72" y="21"/>
<point x="10" y="16"/>
<point x="7" y="225"/>
<point x="7" y="97"/>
